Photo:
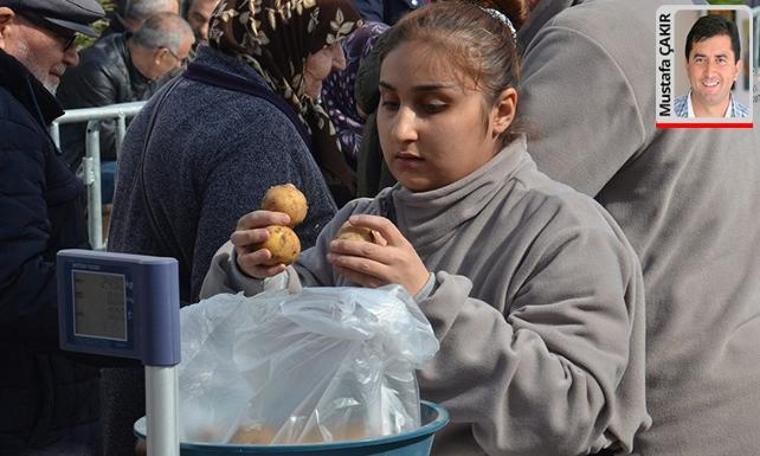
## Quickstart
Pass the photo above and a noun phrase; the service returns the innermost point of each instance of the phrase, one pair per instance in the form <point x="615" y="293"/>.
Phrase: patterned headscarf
<point x="338" y="89"/>
<point x="275" y="37"/>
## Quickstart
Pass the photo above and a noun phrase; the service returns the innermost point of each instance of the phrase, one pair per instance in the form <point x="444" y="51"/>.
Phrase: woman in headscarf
<point x="243" y="117"/>
<point x="338" y="90"/>
<point x="284" y="44"/>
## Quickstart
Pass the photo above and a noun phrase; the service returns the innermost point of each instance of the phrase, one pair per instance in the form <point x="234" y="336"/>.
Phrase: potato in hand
<point x="349" y="232"/>
<point x="283" y="243"/>
<point x="287" y="199"/>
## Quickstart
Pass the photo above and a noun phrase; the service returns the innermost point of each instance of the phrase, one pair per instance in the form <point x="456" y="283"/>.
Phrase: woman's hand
<point x="250" y="231"/>
<point x="372" y="265"/>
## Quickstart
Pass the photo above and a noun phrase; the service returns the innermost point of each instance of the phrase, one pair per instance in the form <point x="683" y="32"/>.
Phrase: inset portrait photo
<point x="705" y="67"/>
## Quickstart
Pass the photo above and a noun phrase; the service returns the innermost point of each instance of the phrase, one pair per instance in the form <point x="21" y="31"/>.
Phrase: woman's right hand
<point x="250" y="231"/>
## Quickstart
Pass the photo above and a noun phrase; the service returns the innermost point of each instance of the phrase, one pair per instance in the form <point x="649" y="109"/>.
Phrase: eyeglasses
<point x="182" y="62"/>
<point x="68" y="37"/>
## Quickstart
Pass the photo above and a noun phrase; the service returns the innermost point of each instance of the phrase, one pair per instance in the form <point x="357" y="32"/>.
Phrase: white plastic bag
<point x="212" y="393"/>
<point x="325" y="364"/>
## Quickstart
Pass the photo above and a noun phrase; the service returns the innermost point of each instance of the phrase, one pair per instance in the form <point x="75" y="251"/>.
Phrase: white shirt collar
<point x="729" y="110"/>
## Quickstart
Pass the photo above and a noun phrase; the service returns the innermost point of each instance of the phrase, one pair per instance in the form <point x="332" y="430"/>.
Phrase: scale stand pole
<point x="161" y="410"/>
<point x="127" y="306"/>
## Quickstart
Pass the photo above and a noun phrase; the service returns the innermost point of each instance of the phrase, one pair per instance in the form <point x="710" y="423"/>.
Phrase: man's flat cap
<point x="76" y="15"/>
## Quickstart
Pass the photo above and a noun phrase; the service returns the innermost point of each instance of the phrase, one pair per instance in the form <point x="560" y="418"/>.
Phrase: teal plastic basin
<point x="413" y="443"/>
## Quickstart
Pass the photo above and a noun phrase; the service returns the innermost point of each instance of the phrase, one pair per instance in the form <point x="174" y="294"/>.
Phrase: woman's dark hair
<point x="477" y="42"/>
<point x="710" y="26"/>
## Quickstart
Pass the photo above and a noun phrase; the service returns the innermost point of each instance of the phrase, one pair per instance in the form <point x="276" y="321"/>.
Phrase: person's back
<point x="199" y="180"/>
<point x="199" y="183"/>
<point x="686" y="199"/>
<point x="181" y="194"/>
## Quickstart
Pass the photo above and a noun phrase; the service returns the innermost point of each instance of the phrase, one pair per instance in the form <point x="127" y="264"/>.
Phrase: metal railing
<point x="91" y="161"/>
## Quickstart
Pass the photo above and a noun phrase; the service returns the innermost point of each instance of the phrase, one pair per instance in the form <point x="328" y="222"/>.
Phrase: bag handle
<point x="152" y="219"/>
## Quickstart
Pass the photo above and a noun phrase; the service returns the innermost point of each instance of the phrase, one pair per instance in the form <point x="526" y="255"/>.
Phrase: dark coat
<point x="116" y="24"/>
<point x="213" y="153"/>
<point x="41" y="212"/>
<point x="105" y="75"/>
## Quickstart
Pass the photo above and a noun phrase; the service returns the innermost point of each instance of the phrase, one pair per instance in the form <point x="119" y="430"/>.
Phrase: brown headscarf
<point x="275" y="37"/>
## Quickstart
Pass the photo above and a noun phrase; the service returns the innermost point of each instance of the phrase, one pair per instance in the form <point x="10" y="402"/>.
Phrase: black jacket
<point x="116" y="24"/>
<point x="41" y="211"/>
<point x="105" y="75"/>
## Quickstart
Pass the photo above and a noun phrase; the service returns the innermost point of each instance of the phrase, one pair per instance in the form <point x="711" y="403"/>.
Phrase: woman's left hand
<point x="372" y="265"/>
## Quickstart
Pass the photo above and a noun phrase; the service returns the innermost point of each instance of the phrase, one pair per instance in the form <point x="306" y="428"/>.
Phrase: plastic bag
<point x="325" y="364"/>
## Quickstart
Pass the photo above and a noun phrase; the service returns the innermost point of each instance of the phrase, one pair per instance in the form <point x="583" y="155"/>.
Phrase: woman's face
<point x="320" y="64"/>
<point x="431" y="119"/>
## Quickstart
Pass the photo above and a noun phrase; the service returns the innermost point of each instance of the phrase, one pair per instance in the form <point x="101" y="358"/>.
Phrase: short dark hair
<point x="710" y="26"/>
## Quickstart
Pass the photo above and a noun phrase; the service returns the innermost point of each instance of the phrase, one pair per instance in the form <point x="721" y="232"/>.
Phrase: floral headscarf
<point x="338" y="89"/>
<point x="275" y="37"/>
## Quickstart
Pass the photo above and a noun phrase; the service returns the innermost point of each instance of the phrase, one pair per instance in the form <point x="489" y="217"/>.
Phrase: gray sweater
<point x="688" y="201"/>
<point x="538" y="306"/>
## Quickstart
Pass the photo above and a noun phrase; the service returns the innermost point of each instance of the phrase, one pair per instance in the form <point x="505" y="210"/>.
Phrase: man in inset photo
<point x="713" y="64"/>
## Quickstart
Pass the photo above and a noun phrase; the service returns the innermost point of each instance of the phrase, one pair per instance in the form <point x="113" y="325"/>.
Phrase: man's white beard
<point x="51" y="86"/>
<point x="24" y="56"/>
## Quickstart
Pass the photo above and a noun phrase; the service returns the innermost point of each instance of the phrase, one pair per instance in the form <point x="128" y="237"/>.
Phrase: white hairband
<point x="503" y="19"/>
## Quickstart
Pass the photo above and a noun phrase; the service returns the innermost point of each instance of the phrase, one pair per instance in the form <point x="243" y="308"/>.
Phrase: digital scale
<point x="127" y="306"/>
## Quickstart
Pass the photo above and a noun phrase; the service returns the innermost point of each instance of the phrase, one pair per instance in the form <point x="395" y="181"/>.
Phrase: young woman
<point x="372" y="174"/>
<point x="531" y="288"/>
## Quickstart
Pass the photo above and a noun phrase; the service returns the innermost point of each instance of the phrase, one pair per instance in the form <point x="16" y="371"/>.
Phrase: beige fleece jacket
<point x="538" y="305"/>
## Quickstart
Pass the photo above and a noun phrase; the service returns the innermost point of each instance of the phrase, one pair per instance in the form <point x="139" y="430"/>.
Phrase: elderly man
<point x="687" y="199"/>
<point x="49" y="403"/>
<point x="117" y="69"/>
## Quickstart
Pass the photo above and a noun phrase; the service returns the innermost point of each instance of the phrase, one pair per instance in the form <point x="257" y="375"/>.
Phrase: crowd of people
<point x="593" y="280"/>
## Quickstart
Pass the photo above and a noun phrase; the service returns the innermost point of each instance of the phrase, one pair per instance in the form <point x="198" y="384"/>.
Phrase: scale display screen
<point x="100" y="305"/>
<point x="119" y="305"/>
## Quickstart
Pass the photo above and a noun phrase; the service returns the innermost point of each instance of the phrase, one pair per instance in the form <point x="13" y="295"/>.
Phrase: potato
<point x="288" y="199"/>
<point x="349" y="232"/>
<point x="283" y="243"/>
<point x="257" y="434"/>
<point x="253" y="435"/>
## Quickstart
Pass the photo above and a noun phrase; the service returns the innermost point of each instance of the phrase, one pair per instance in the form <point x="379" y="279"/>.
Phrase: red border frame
<point x="704" y="124"/>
